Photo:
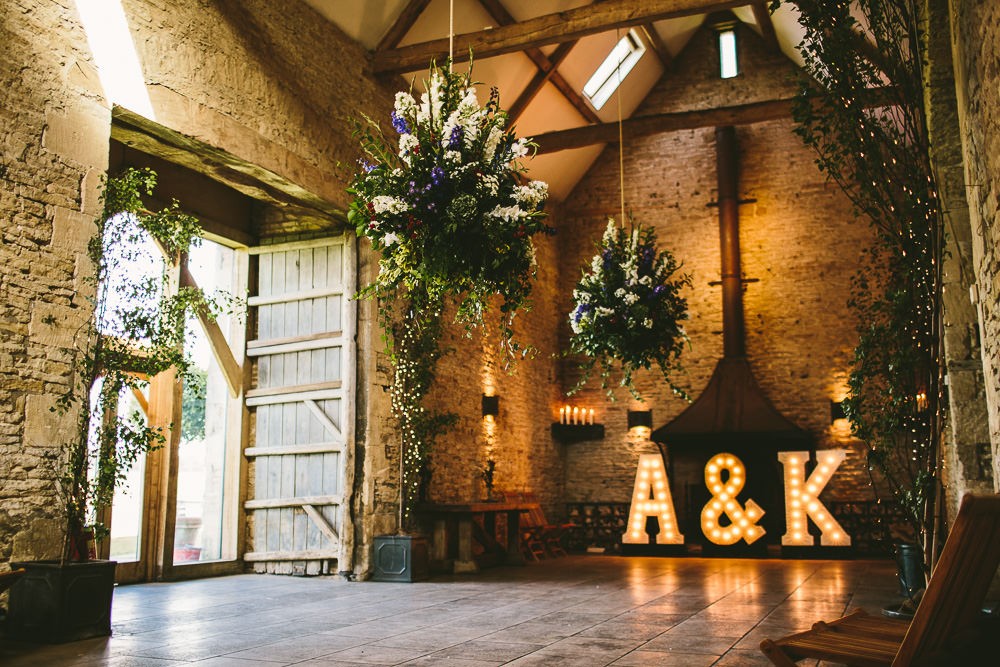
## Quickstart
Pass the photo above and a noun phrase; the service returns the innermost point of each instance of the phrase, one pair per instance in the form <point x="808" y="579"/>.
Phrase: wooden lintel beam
<point x="547" y="69"/>
<point x="404" y="22"/>
<point x="659" y="48"/>
<point x="231" y="369"/>
<point x="763" y="18"/>
<point x="554" y="28"/>
<point x="741" y="114"/>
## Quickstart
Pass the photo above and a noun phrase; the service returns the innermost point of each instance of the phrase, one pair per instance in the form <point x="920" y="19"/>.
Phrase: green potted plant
<point x="862" y="110"/>
<point x="135" y="332"/>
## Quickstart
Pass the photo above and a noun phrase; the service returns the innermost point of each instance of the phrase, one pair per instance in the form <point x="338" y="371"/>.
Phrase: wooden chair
<point x="550" y="536"/>
<point x="947" y="616"/>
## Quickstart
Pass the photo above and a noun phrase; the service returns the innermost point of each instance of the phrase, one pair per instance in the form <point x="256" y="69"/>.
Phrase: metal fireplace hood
<point x="733" y="402"/>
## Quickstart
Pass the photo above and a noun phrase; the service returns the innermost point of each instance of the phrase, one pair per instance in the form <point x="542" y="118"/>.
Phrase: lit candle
<point x="591" y="420"/>
<point x="576" y="415"/>
<point x="562" y="415"/>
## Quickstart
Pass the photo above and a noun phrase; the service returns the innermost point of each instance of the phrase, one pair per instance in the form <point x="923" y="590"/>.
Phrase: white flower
<point x="453" y="156"/>
<point x="648" y="323"/>
<point x="581" y="297"/>
<point x="631" y="298"/>
<point x="596" y="265"/>
<point x="604" y="312"/>
<point x="490" y="184"/>
<point x="611" y="233"/>
<point x="620" y="293"/>
<point x="531" y="194"/>
<point x="405" y="104"/>
<point x="508" y="213"/>
<point x="492" y="141"/>
<point x="645" y="280"/>
<point x="386" y="204"/>
<point x="389" y="239"/>
<point x="519" y="149"/>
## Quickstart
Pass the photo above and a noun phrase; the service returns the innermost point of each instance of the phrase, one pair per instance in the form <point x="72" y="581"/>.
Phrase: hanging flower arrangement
<point x="444" y="200"/>
<point x="628" y="309"/>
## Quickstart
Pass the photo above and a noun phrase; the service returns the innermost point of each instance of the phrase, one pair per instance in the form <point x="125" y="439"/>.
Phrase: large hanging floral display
<point x="444" y="200"/>
<point x="628" y="309"/>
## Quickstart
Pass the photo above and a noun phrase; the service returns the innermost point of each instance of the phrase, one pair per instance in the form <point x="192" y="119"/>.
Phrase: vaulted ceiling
<point x="540" y="53"/>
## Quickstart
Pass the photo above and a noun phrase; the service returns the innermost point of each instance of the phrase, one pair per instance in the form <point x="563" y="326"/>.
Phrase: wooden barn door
<point x="303" y="397"/>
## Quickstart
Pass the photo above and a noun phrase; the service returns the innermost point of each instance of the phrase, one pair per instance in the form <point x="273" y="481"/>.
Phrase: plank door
<point x="303" y="397"/>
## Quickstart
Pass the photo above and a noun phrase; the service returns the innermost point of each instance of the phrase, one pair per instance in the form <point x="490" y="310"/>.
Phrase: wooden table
<point x="455" y="528"/>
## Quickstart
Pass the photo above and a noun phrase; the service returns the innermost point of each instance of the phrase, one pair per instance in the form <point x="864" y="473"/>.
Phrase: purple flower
<point x="399" y="124"/>
<point x="456" y="137"/>
<point x="659" y="289"/>
<point x="580" y="310"/>
<point x="366" y="165"/>
<point x="437" y="175"/>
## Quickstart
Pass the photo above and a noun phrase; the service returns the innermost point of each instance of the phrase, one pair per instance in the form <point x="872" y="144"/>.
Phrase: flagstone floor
<point x="576" y="611"/>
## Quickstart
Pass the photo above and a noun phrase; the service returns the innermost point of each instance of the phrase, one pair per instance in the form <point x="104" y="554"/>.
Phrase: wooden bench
<point x="946" y="618"/>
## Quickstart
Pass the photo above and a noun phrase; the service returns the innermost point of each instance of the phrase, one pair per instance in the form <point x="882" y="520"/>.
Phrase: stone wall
<point x="799" y="239"/>
<point x="240" y="76"/>
<point x="975" y="29"/>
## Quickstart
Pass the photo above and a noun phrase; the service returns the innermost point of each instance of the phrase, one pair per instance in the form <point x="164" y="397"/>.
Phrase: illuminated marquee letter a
<point x="651" y="497"/>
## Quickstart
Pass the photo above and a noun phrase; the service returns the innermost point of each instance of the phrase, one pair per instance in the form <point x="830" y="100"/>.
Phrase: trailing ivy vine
<point x="136" y="331"/>
<point x="862" y="111"/>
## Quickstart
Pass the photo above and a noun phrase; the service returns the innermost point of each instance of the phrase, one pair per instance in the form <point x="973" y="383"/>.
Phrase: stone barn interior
<point x="246" y="111"/>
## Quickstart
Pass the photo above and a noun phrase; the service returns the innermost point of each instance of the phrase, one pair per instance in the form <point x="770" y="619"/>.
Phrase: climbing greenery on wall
<point x="862" y="110"/>
<point x="446" y="204"/>
<point x="136" y="331"/>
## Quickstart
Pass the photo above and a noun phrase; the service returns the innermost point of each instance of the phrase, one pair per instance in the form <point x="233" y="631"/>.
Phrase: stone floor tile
<point x="643" y="658"/>
<point x="489" y="650"/>
<point x="299" y="648"/>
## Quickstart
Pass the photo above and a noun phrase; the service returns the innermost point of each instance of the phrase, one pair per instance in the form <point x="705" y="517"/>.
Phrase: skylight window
<point x="614" y="69"/>
<point x="728" y="65"/>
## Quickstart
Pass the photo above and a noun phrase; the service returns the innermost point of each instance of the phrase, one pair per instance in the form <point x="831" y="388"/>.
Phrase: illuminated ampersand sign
<point x="742" y="521"/>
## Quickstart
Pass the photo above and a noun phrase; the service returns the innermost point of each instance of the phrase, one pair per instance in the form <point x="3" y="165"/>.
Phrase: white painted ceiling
<point x="367" y="21"/>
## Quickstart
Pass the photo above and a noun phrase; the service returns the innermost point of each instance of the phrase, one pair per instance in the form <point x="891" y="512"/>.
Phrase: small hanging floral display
<point x="446" y="204"/>
<point x="629" y="309"/>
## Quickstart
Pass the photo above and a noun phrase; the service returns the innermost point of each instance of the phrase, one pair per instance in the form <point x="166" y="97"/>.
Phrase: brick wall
<point x="975" y="26"/>
<point x="800" y="239"/>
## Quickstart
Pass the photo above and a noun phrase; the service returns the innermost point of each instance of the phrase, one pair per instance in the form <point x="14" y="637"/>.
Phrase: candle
<point x="576" y="415"/>
<point x="562" y="415"/>
<point x="591" y="420"/>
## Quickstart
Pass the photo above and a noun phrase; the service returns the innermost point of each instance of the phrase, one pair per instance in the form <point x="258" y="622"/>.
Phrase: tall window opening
<point x="728" y="62"/>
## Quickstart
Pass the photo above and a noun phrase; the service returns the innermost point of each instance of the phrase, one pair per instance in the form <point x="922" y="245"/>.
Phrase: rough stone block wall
<point x="527" y="460"/>
<point x="799" y="239"/>
<point x="241" y="76"/>
<point x="975" y="26"/>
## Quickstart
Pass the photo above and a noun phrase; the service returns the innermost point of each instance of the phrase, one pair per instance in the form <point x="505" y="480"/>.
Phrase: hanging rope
<point x="451" y="32"/>
<point x="621" y="144"/>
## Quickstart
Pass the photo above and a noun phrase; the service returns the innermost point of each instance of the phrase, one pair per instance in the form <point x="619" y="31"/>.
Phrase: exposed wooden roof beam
<point x="547" y="68"/>
<point x="640" y="126"/>
<point x="763" y="18"/>
<point x="403" y="23"/>
<point x="548" y="29"/>
<point x="659" y="48"/>
<point x="538" y="82"/>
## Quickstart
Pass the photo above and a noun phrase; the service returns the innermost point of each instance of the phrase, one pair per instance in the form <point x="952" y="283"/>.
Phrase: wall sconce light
<point x="640" y="418"/>
<point x="837" y="411"/>
<point x="491" y="406"/>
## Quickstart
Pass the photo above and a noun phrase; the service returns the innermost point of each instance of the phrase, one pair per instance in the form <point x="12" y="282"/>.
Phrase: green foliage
<point x="862" y="112"/>
<point x="136" y="332"/>
<point x="193" y="405"/>
<point x="629" y="311"/>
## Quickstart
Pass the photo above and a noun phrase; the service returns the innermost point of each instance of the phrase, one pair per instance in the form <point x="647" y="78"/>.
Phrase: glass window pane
<point x="127" y="506"/>
<point x="201" y="499"/>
